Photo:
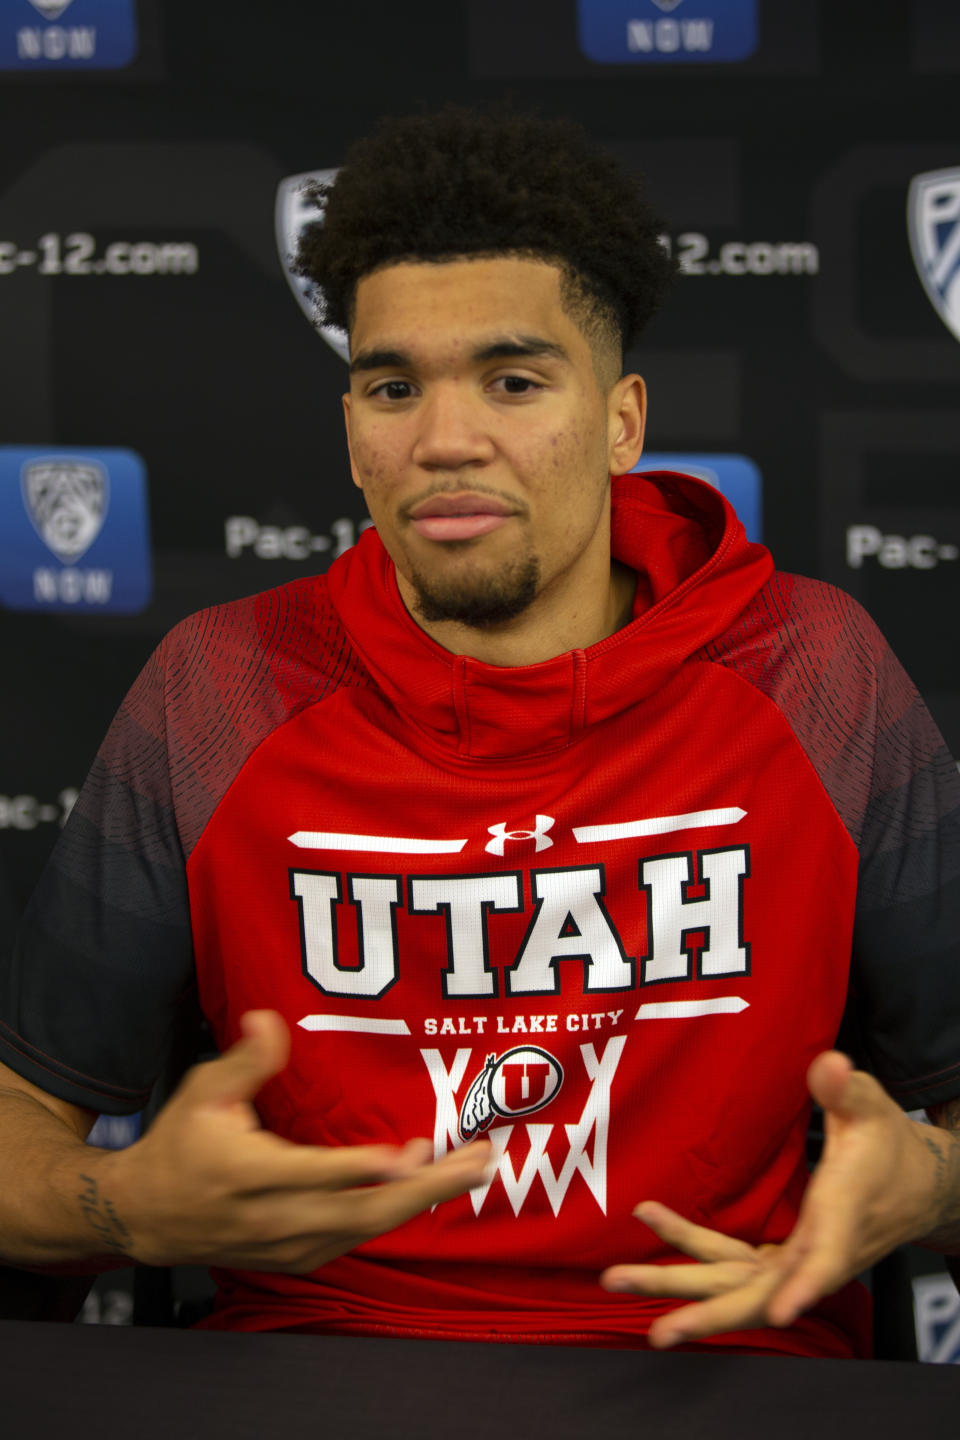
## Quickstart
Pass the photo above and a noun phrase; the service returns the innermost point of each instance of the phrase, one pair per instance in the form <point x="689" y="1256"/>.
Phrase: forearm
<point x="55" y="1209"/>
<point x="943" y="1229"/>
<point x="942" y="1140"/>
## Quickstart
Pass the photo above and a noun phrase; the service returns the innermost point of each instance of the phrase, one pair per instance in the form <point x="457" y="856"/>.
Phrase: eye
<point x="517" y="384"/>
<point x="393" y="390"/>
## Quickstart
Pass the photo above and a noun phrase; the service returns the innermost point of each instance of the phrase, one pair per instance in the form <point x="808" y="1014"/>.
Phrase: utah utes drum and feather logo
<point x="518" y="1082"/>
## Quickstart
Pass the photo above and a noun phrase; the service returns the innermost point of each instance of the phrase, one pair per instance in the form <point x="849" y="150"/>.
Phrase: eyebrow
<point x="379" y="360"/>
<point x="519" y="346"/>
<point x="516" y="347"/>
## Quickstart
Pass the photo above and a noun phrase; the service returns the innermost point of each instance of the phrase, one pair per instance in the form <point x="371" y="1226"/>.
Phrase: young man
<point x="543" y="827"/>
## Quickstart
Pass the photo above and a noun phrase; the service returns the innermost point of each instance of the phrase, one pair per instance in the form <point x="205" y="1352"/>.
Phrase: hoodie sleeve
<point x="876" y="750"/>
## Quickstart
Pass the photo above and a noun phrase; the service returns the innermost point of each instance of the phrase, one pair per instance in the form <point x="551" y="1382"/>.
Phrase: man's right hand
<point x="207" y="1185"/>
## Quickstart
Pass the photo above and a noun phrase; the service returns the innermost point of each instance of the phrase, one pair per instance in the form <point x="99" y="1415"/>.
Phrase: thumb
<point x="245" y="1068"/>
<point x="841" y="1090"/>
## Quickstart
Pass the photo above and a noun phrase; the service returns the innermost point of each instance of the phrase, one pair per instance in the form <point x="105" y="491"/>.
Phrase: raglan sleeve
<point x="905" y="977"/>
<point x="102" y="964"/>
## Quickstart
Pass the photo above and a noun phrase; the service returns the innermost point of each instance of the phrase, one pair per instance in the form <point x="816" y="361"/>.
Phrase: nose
<point x="451" y="432"/>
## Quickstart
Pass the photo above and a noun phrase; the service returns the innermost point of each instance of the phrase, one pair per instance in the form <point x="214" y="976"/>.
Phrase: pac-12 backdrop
<point x="170" y="430"/>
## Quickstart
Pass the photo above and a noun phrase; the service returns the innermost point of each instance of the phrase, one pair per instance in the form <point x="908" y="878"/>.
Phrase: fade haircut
<point x="480" y="184"/>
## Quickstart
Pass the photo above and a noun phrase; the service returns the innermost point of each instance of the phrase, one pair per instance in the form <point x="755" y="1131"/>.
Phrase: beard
<point x="479" y="600"/>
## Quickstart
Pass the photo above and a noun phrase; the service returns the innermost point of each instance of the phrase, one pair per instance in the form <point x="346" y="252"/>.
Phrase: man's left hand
<point x="878" y="1185"/>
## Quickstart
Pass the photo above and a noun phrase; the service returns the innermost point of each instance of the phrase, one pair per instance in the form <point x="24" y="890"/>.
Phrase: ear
<point x="626" y="417"/>
<point x="353" y="464"/>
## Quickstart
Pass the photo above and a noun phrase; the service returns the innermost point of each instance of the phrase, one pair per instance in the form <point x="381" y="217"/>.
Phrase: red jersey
<point x="600" y="910"/>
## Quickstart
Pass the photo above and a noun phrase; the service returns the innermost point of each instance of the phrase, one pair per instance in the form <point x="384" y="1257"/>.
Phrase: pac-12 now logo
<point x="67" y="34"/>
<point x="629" y="32"/>
<point x="296" y="208"/>
<point x="74" y="530"/>
<point x="933" y="223"/>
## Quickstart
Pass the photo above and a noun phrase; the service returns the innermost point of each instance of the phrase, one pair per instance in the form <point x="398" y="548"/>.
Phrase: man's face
<point x="481" y="437"/>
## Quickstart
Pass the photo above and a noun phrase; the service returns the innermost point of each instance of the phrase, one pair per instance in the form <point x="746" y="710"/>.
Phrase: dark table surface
<point x="74" y="1381"/>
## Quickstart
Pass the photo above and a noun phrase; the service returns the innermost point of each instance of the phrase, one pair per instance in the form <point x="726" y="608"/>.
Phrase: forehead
<point x="415" y="303"/>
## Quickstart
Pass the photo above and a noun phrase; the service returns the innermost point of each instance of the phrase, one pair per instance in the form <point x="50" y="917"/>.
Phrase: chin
<point x="479" y="601"/>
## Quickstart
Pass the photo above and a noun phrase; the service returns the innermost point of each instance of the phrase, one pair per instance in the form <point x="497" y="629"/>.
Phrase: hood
<point x="696" y="572"/>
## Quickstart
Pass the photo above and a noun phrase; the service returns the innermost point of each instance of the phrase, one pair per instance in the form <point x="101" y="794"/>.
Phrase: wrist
<point x="90" y="1189"/>
<point x="938" y="1223"/>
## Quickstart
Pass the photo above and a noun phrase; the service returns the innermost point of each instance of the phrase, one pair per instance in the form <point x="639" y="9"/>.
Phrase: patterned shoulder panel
<point x="233" y="675"/>
<point x="107" y="932"/>
<point x="823" y="662"/>
<point x="219" y="684"/>
<point x="815" y="652"/>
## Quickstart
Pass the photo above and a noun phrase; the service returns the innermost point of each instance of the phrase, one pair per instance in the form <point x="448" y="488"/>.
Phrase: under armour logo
<point x="502" y="834"/>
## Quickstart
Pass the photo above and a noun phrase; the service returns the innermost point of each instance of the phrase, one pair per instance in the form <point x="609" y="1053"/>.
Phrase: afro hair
<point x="471" y="183"/>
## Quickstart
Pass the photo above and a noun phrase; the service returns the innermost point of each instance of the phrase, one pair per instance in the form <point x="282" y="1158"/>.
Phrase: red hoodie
<point x="580" y="907"/>
<point x="600" y="909"/>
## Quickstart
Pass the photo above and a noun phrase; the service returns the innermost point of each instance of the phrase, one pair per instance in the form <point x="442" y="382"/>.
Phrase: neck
<point x="545" y="629"/>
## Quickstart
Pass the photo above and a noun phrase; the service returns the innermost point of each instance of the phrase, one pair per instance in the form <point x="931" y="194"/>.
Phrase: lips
<point x="459" y="517"/>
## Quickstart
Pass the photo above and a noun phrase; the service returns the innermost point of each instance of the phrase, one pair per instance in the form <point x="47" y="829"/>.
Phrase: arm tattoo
<point x="937" y="1150"/>
<point x="946" y="1116"/>
<point x="100" y="1214"/>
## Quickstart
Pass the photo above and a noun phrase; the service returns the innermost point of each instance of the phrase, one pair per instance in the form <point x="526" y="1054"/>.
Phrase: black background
<point x="841" y="386"/>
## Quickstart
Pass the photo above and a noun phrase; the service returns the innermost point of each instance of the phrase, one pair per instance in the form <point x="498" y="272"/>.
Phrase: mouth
<point x="459" y="517"/>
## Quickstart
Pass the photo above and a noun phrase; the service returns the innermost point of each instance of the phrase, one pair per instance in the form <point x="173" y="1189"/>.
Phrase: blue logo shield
<point x="67" y="34"/>
<point x="734" y="476"/>
<point x="74" y="531"/>
<point x="294" y="211"/>
<point x="933" y="222"/>
<point x="645" y="32"/>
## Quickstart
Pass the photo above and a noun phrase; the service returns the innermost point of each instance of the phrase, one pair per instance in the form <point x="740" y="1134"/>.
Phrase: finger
<point x="268" y="1162"/>
<point x="271" y="1163"/>
<point x="680" y="1282"/>
<point x="240" y="1072"/>
<point x="415" y="1154"/>
<point x="814" y="1278"/>
<point x="740" y="1309"/>
<point x="843" y="1091"/>
<point x="387" y="1206"/>
<point x="694" y="1240"/>
<point x="328" y="1223"/>
<point x="831" y="1242"/>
